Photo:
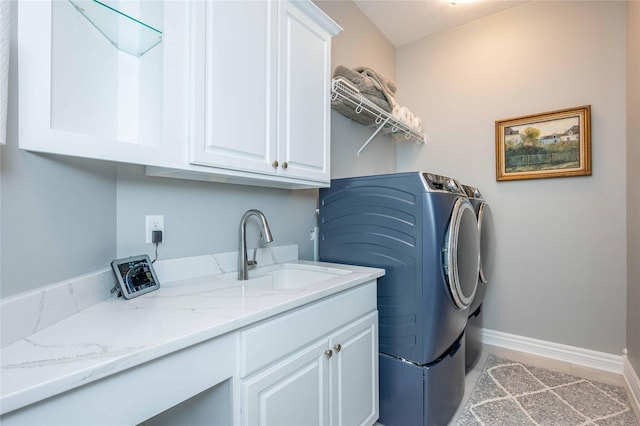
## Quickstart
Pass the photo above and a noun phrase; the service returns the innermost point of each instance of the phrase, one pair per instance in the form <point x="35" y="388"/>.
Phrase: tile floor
<point x="536" y="361"/>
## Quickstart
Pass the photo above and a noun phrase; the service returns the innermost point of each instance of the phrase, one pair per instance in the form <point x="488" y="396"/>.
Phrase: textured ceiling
<point x="405" y="21"/>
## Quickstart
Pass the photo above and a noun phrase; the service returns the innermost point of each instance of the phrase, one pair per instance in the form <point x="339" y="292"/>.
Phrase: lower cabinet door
<point x="293" y="392"/>
<point x="354" y="373"/>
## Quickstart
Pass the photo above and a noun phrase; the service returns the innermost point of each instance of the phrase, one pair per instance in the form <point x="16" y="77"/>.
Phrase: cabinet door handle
<point x="285" y="165"/>
<point x="328" y="353"/>
<point x="275" y="164"/>
<point x="337" y="347"/>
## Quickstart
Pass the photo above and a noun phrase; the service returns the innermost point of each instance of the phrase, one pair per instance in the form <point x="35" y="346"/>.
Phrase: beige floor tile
<point x="597" y="375"/>
<point x="530" y="359"/>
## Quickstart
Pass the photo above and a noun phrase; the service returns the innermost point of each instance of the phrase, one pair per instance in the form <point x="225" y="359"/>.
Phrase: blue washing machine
<point x="422" y="229"/>
<point x="487" y="248"/>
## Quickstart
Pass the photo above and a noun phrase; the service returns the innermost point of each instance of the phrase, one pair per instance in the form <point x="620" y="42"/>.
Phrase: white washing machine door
<point x="461" y="253"/>
<point x="487" y="242"/>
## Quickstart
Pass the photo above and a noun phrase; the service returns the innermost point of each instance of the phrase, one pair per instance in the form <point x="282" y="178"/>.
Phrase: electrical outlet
<point x="154" y="223"/>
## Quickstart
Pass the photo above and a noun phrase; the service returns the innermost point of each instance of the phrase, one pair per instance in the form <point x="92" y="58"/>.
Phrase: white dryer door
<point x="461" y="253"/>
<point x="487" y="242"/>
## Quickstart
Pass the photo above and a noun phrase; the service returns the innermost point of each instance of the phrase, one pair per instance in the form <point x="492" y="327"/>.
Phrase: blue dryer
<point x="484" y="217"/>
<point x="422" y="229"/>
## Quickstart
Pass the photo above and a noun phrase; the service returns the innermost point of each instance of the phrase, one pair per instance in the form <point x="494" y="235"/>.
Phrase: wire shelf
<point x="379" y="118"/>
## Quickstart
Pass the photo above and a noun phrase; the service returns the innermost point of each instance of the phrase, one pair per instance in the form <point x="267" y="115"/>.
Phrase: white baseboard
<point x="633" y="385"/>
<point x="572" y="354"/>
<point x="585" y="357"/>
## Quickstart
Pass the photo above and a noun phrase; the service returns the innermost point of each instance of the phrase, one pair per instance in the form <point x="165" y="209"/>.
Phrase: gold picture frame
<point x="547" y="145"/>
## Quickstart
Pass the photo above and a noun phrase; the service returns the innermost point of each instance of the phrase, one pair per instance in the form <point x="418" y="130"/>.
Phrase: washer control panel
<point x="441" y="183"/>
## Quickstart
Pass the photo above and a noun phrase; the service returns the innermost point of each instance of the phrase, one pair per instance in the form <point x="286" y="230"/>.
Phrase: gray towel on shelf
<point x="383" y="83"/>
<point x="379" y="89"/>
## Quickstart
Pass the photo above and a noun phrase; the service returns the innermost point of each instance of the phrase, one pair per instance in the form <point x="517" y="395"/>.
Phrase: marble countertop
<point x="116" y="334"/>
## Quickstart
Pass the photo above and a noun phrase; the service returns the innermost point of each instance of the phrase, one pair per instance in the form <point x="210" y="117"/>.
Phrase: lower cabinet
<point x="332" y="381"/>
<point x="294" y="392"/>
<point x="354" y="373"/>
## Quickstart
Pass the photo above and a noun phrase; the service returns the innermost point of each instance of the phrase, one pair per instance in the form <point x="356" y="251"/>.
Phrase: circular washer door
<point x="461" y="253"/>
<point x="487" y="242"/>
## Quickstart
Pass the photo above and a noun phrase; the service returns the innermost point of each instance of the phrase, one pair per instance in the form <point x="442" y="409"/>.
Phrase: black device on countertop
<point x="135" y="276"/>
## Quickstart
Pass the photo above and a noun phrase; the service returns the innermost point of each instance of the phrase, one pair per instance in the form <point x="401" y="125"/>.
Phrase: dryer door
<point x="487" y="242"/>
<point x="461" y="253"/>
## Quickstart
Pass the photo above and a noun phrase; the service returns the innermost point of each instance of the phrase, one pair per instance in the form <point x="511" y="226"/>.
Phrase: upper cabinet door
<point x="103" y="82"/>
<point x="235" y="95"/>
<point x="304" y="118"/>
<point x="261" y="105"/>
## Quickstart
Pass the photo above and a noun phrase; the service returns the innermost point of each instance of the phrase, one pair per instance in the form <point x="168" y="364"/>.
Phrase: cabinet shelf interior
<point x="126" y="33"/>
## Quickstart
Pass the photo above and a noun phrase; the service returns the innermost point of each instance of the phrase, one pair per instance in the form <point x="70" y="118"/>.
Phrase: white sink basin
<point x="289" y="276"/>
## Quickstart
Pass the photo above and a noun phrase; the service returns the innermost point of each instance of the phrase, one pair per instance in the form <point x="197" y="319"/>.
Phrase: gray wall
<point x="359" y="44"/>
<point x="204" y="217"/>
<point x="61" y="217"/>
<point x="57" y="215"/>
<point x="633" y="186"/>
<point x="560" y="265"/>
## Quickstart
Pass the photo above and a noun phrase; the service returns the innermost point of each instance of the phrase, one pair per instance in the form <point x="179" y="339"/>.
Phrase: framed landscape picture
<point x="551" y="144"/>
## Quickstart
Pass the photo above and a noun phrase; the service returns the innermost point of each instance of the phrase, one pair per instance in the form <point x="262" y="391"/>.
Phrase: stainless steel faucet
<point x="266" y="235"/>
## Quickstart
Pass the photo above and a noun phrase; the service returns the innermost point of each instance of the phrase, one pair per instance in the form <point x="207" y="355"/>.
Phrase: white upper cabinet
<point x="227" y="91"/>
<point x="103" y="82"/>
<point x="263" y="100"/>
<point x="304" y="115"/>
<point x="234" y="85"/>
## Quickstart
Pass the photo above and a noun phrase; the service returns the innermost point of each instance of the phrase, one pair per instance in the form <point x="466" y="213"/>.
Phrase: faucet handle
<point x="251" y="264"/>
